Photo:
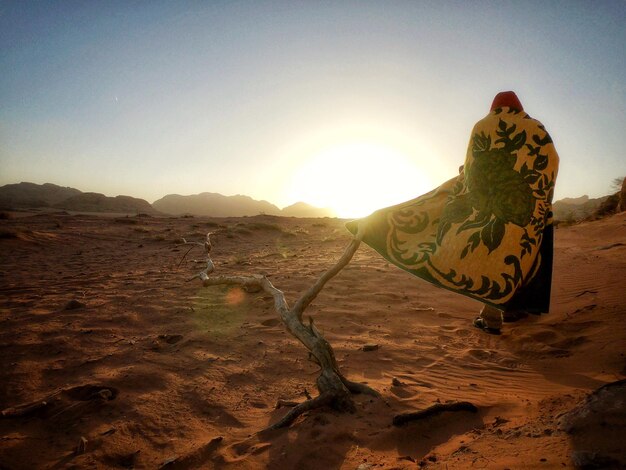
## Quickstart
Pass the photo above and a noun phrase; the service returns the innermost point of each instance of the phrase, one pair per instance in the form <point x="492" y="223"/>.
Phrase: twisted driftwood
<point x="334" y="389"/>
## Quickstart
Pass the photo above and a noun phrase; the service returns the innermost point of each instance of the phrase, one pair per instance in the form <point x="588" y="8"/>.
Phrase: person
<point x="534" y="294"/>
<point x="487" y="233"/>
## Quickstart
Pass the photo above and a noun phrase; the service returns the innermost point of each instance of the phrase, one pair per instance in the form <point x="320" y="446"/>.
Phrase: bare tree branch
<point x="308" y="297"/>
<point x="334" y="389"/>
<point x="317" y="402"/>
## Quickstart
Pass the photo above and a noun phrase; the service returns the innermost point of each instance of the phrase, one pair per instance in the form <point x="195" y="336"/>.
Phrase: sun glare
<point x="355" y="179"/>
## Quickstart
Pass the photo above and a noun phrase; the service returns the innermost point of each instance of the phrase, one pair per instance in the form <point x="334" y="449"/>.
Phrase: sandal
<point x="513" y="316"/>
<point x="480" y="324"/>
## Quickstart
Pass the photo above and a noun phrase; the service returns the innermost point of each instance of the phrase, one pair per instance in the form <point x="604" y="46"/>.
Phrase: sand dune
<point x="146" y="370"/>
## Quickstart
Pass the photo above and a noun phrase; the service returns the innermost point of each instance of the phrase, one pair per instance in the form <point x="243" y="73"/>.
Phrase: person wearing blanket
<point x="488" y="232"/>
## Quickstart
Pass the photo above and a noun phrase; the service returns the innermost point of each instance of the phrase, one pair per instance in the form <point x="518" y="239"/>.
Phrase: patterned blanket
<point x="487" y="233"/>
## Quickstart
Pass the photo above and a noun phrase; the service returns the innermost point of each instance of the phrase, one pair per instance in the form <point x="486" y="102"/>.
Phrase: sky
<point x="351" y="104"/>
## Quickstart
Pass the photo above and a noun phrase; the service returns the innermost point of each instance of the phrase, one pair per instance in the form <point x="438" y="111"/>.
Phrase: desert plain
<point x="126" y="363"/>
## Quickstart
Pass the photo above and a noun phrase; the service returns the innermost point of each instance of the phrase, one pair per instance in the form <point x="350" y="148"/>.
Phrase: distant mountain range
<point x="218" y="205"/>
<point x="214" y="205"/>
<point x="571" y="209"/>
<point x="30" y="195"/>
<point x="96" y="202"/>
<point x="26" y="195"/>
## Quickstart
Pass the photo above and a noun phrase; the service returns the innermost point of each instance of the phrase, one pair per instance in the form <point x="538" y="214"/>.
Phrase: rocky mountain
<point x="302" y="209"/>
<point x="570" y="209"/>
<point x="30" y="195"/>
<point x="218" y="205"/>
<point x="214" y="205"/>
<point x="96" y="202"/>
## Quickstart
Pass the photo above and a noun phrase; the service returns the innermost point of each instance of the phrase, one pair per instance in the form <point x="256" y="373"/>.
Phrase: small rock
<point x="74" y="304"/>
<point x="499" y="421"/>
<point x="587" y="459"/>
<point x="128" y="460"/>
<point x="461" y="450"/>
<point x="105" y="394"/>
<point x="171" y="339"/>
<point x="81" y="448"/>
<point x="167" y="462"/>
<point x="370" y="347"/>
<point x="396" y="383"/>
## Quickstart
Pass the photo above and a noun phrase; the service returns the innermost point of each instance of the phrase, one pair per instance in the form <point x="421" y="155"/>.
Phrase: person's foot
<point x="481" y="325"/>
<point x="513" y="315"/>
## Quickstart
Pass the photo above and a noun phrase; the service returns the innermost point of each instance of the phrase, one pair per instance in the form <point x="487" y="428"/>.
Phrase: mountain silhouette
<point x="30" y="195"/>
<point x="218" y="205"/>
<point x="96" y="202"/>
<point x="48" y="195"/>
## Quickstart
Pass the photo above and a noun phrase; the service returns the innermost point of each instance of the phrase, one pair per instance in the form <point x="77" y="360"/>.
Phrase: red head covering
<point x="507" y="98"/>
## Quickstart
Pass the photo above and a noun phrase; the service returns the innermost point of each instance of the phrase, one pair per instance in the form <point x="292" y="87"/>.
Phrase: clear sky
<point x="325" y="101"/>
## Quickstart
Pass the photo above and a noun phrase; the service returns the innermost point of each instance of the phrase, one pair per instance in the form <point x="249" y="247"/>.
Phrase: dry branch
<point x="334" y="389"/>
<point x="24" y="409"/>
<point x="433" y="410"/>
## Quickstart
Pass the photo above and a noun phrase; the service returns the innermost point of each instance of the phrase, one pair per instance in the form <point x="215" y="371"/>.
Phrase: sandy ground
<point x="187" y="375"/>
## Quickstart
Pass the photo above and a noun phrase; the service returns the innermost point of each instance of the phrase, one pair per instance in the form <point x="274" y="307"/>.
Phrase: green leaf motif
<point x="542" y="141"/>
<point x="442" y="229"/>
<point x="541" y="162"/>
<point x="481" y="142"/>
<point x="474" y="240"/>
<point x="458" y="209"/>
<point x="532" y="151"/>
<point x="518" y="141"/>
<point x="532" y="177"/>
<point x="479" y="221"/>
<point x="492" y="234"/>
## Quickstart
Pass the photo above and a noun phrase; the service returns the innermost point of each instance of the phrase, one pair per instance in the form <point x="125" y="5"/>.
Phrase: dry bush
<point x="9" y="234"/>
<point x="239" y="230"/>
<point x="238" y="259"/>
<point x="617" y="183"/>
<point x="126" y="220"/>
<point x="262" y="226"/>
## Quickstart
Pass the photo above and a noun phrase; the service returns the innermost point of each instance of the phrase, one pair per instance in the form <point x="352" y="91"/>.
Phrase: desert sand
<point x="140" y="368"/>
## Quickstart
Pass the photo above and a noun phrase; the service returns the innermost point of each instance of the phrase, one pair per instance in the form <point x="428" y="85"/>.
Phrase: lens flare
<point x="355" y="179"/>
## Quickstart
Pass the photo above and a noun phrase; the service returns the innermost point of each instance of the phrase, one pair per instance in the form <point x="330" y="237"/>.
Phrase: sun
<point x="357" y="178"/>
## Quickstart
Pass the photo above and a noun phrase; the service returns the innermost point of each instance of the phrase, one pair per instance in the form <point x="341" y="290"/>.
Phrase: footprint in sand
<point x="270" y="322"/>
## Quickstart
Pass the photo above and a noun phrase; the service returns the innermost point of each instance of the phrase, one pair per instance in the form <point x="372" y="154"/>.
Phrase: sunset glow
<point x="353" y="105"/>
<point x="356" y="178"/>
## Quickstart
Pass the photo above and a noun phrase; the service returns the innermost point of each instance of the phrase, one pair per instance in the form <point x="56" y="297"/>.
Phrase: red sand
<point x="234" y="359"/>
